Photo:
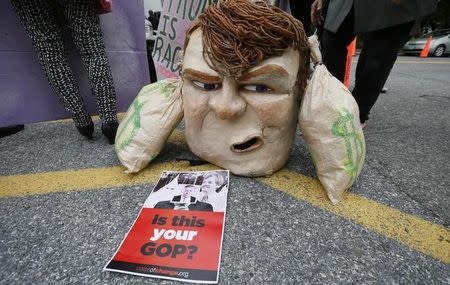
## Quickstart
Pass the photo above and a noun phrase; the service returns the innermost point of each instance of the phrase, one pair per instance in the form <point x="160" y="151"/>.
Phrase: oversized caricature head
<point x="245" y="65"/>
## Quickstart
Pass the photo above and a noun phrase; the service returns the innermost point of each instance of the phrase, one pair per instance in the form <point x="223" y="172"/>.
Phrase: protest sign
<point x="176" y="18"/>
<point x="178" y="233"/>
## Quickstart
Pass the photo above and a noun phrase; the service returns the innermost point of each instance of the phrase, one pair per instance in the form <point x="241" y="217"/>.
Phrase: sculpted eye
<point x="258" y="88"/>
<point x="206" y="86"/>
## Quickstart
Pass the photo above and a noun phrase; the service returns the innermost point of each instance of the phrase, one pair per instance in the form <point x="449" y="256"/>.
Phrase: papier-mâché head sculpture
<point x="244" y="70"/>
<point x="245" y="66"/>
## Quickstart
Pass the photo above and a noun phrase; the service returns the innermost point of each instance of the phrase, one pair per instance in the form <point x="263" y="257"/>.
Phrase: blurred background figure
<point x="151" y="26"/>
<point x="384" y="26"/>
<point x="44" y="21"/>
<point x="150" y="42"/>
<point x="153" y="17"/>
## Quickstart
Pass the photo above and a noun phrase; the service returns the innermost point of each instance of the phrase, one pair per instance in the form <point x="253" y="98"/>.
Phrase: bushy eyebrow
<point x="269" y="68"/>
<point x="193" y="74"/>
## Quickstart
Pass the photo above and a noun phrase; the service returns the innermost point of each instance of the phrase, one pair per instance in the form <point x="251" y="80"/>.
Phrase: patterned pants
<point x="44" y="21"/>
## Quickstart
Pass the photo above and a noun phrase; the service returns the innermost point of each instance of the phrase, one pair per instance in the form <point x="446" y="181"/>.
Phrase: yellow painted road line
<point x="89" y="178"/>
<point x="414" y="232"/>
<point x="423" y="62"/>
<point x="354" y="61"/>
<point x="85" y="179"/>
<point x="412" y="62"/>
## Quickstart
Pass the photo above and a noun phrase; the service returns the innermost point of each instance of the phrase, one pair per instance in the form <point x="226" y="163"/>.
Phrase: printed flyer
<point x="178" y="233"/>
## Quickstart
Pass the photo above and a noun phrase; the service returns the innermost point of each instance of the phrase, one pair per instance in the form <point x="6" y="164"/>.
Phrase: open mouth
<point x="248" y="145"/>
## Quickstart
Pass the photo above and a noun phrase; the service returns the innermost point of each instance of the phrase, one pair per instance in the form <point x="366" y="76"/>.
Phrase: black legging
<point x="41" y="19"/>
<point x="301" y="10"/>
<point x="378" y="55"/>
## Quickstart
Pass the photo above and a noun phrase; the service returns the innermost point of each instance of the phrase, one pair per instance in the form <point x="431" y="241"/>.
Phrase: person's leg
<point x="151" y="64"/>
<point x="301" y="10"/>
<point x="375" y="62"/>
<point x="334" y="47"/>
<point x="39" y="20"/>
<point x="87" y="36"/>
<point x="361" y="60"/>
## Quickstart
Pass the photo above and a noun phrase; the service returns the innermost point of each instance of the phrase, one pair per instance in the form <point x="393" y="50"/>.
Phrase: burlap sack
<point x="329" y="122"/>
<point x="151" y="118"/>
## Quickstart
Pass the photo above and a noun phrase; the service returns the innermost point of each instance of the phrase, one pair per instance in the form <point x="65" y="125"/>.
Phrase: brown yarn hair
<point x="238" y="34"/>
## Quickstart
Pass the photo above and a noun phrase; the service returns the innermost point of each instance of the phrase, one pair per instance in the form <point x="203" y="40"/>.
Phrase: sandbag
<point x="329" y="122"/>
<point x="149" y="121"/>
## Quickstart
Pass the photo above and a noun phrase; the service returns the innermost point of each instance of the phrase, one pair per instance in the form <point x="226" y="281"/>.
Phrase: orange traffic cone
<point x="351" y="51"/>
<point x="426" y="48"/>
<point x="352" y="47"/>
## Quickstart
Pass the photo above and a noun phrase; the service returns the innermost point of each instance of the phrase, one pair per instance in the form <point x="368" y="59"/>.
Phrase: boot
<point x="109" y="130"/>
<point x="87" y="131"/>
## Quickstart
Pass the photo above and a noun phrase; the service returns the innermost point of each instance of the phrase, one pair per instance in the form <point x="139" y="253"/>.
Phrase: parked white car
<point x="440" y="43"/>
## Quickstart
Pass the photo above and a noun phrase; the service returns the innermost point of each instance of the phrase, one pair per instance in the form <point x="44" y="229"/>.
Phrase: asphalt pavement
<point x="65" y="204"/>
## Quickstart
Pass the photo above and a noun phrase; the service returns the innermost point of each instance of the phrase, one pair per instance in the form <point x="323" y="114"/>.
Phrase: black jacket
<point x="372" y="15"/>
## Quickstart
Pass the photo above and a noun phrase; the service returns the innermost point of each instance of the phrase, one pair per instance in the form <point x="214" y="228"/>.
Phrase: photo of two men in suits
<point x="190" y="191"/>
<point x="186" y="201"/>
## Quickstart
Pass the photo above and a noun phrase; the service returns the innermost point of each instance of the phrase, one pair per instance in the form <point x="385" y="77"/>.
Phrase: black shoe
<point x="87" y="131"/>
<point x="109" y="130"/>
<point x="10" y="130"/>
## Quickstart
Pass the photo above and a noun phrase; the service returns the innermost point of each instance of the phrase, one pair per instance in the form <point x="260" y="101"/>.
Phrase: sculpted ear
<point x="154" y="114"/>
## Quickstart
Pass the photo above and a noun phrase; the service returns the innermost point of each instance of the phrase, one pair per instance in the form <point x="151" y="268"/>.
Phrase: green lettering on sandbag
<point x="344" y="127"/>
<point x="136" y="125"/>
<point x="165" y="88"/>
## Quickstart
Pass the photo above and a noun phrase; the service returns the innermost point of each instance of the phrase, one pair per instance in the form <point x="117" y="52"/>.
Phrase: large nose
<point x="228" y="104"/>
